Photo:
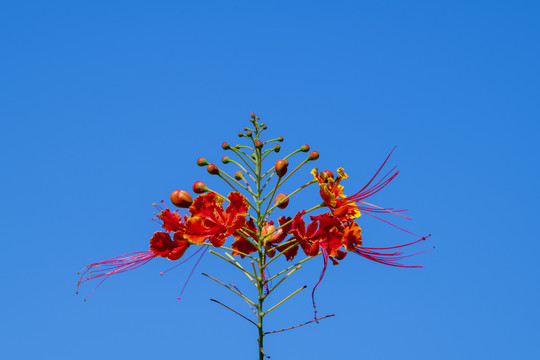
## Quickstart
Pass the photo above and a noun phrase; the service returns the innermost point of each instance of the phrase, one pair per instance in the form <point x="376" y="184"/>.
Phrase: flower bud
<point x="212" y="169"/>
<point x="314" y="155"/>
<point x="240" y="134"/>
<point x="225" y="159"/>
<point x="281" y="167"/>
<point x="237" y="146"/>
<point x="327" y="174"/>
<point x="225" y="146"/>
<point x="259" y="144"/>
<point x="277" y="147"/>
<point x="199" y="187"/>
<point x="202" y="162"/>
<point x="238" y="175"/>
<point x="264" y="126"/>
<point x="280" y="138"/>
<point x="181" y="199"/>
<point x="252" y="114"/>
<point x="304" y="148"/>
<point x="246" y="128"/>
<point x="249" y="133"/>
<point x="280" y="201"/>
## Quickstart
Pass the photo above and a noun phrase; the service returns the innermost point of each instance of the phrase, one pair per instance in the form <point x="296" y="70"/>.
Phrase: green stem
<point x="261" y="253"/>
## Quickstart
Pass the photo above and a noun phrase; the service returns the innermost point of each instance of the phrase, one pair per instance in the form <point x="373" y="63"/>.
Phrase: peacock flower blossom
<point x="324" y="234"/>
<point x="332" y="193"/>
<point x="170" y="221"/>
<point x="210" y="221"/>
<point x="161" y="245"/>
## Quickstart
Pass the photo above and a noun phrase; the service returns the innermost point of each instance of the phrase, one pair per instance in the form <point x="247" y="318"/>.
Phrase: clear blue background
<point x="104" y="107"/>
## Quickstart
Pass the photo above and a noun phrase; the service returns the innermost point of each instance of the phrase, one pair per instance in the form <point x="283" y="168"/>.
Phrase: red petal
<point x="161" y="243"/>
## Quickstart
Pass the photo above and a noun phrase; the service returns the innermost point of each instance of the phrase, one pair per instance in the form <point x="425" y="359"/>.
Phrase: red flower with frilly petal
<point x="210" y="221"/>
<point x="346" y="207"/>
<point x="170" y="220"/>
<point x="332" y="192"/>
<point x="323" y="233"/>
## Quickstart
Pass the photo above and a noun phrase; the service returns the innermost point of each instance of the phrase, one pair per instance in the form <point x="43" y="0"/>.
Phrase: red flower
<point x="345" y="207"/>
<point x="331" y="193"/>
<point x="323" y="233"/>
<point x="161" y="245"/>
<point x="170" y="220"/>
<point x="209" y="221"/>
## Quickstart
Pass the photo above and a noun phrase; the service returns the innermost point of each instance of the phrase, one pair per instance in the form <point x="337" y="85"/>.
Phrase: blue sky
<point x="105" y="107"/>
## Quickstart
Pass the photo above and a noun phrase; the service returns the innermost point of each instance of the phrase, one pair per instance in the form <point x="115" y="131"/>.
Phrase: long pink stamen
<point x="390" y="258"/>
<point x="389" y="223"/>
<point x="185" y="260"/>
<point x="381" y="209"/>
<point x="115" y="265"/>
<point x="379" y="170"/>
<point x="361" y="195"/>
<point x="191" y="273"/>
<point x="325" y="259"/>
<point x="398" y="246"/>
<point x="385" y="258"/>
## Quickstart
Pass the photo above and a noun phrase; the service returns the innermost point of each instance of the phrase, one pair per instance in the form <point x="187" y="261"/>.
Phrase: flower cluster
<point x="244" y="217"/>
